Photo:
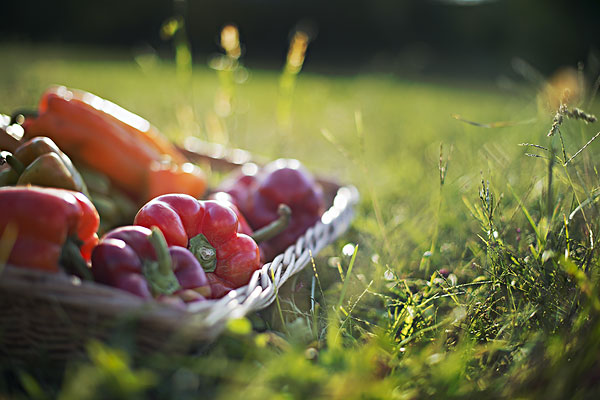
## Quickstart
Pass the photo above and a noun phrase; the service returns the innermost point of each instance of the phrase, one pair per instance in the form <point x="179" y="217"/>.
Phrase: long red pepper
<point x="115" y="142"/>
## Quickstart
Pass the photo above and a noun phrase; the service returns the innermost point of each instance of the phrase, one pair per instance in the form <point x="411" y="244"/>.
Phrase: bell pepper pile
<point x="85" y="167"/>
<point x="258" y="192"/>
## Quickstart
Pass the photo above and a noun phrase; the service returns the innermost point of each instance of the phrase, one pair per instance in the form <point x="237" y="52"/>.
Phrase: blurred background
<point x="475" y="38"/>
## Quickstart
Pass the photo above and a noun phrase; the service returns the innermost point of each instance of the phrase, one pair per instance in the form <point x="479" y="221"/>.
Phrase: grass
<point x="474" y="267"/>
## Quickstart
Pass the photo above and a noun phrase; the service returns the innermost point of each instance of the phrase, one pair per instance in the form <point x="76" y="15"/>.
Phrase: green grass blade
<point x="345" y="286"/>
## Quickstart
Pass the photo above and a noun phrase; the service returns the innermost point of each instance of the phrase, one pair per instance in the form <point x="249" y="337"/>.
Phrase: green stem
<point x="204" y="252"/>
<point x="549" y="202"/>
<point x="19" y="116"/>
<point x="158" y="241"/>
<point x="275" y="227"/>
<point x="73" y="262"/>
<point x="159" y="274"/>
<point x="14" y="163"/>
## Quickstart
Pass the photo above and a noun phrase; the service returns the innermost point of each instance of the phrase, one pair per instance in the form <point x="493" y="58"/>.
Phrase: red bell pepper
<point x="137" y="259"/>
<point x="227" y="199"/>
<point x="258" y="193"/>
<point x="210" y="230"/>
<point x="53" y="227"/>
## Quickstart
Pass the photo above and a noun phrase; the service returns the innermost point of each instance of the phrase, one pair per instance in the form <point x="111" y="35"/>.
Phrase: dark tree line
<point x="411" y="34"/>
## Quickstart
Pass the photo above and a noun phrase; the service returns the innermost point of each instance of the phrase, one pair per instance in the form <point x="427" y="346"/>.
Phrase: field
<point x="471" y="267"/>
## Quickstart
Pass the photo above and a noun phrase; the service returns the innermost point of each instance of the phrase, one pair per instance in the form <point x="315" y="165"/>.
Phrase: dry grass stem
<point x="583" y="148"/>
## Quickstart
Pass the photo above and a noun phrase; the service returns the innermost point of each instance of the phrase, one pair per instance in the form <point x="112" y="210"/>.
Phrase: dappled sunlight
<point x="230" y="41"/>
<point x="296" y="52"/>
<point x="563" y="87"/>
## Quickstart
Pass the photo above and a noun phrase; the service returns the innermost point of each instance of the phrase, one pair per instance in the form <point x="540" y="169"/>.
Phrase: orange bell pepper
<point x="123" y="146"/>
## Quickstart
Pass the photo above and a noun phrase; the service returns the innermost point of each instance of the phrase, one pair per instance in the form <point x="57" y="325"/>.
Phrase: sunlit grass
<point x="473" y="273"/>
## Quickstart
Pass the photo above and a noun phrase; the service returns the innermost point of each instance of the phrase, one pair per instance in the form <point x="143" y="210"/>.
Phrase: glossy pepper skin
<point x="47" y="222"/>
<point x="210" y="230"/>
<point x="39" y="161"/>
<point x="121" y="256"/>
<point x="258" y="192"/>
<point x="103" y="136"/>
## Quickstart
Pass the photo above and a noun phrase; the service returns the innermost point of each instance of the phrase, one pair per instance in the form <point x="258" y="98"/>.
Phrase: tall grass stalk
<point x="424" y="265"/>
<point x="347" y="280"/>
<point x="359" y="159"/>
<point x="174" y="29"/>
<point x="287" y="80"/>
<point x="279" y="310"/>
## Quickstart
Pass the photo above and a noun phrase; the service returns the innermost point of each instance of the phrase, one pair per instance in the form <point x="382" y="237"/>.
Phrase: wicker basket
<point x="54" y="315"/>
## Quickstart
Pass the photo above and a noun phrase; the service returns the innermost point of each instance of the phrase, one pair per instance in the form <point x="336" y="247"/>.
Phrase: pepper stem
<point x="14" y="163"/>
<point x="275" y="227"/>
<point x="158" y="241"/>
<point x="204" y="252"/>
<point x="73" y="262"/>
<point x="159" y="274"/>
<point x="19" y="116"/>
